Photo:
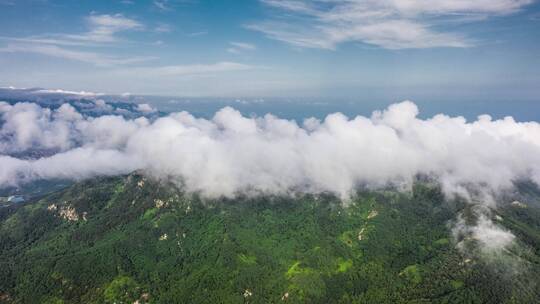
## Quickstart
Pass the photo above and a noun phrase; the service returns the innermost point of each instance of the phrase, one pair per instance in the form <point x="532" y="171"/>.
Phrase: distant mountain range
<point x="87" y="103"/>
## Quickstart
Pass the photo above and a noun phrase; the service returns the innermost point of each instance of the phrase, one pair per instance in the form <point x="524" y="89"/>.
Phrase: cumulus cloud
<point x="145" y="108"/>
<point x="231" y="153"/>
<point x="392" y="24"/>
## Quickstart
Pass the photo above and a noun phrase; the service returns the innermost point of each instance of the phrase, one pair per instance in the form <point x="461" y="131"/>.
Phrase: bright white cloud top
<point x="230" y="153"/>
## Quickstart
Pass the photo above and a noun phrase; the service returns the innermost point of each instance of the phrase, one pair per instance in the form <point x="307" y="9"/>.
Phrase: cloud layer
<point x="231" y="153"/>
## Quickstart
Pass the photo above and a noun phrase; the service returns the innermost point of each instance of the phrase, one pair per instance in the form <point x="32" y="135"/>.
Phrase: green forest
<point x="132" y="239"/>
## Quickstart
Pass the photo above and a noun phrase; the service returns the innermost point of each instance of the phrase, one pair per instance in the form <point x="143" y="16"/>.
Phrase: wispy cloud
<point x="163" y="28"/>
<point x="48" y="40"/>
<point x="76" y="55"/>
<point x="103" y="28"/>
<point x="243" y="45"/>
<point x="171" y="5"/>
<point x="391" y="24"/>
<point x="237" y="47"/>
<point x="188" y="69"/>
<point x="161" y="4"/>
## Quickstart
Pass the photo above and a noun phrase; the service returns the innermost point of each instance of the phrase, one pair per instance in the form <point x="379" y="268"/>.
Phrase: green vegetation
<point x="412" y="273"/>
<point x="129" y="239"/>
<point x="122" y="290"/>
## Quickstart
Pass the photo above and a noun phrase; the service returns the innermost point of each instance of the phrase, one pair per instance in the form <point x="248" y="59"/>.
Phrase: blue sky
<point x="438" y="49"/>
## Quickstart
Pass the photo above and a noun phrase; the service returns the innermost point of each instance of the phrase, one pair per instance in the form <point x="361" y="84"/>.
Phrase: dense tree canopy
<point x="134" y="240"/>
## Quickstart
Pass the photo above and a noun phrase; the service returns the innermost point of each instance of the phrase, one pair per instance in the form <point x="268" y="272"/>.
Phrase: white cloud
<point x="490" y="236"/>
<point x="500" y="7"/>
<point x="102" y="106"/>
<point x="169" y="5"/>
<point x="145" y="108"/>
<point x="48" y="40"/>
<point x="392" y="24"/>
<point x="231" y="153"/>
<point x="161" y="4"/>
<point x="103" y="28"/>
<point x="244" y="45"/>
<point x="76" y="55"/>
<point x="189" y="69"/>
<point x="66" y="92"/>
<point x="238" y="47"/>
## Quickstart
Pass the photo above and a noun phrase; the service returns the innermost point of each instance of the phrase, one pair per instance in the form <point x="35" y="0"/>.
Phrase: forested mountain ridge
<point x="133" y="239"/>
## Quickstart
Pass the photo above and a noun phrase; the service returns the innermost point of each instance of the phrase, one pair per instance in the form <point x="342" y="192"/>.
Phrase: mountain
<point x="133" y="239"/>
<point x="86" y="103"/>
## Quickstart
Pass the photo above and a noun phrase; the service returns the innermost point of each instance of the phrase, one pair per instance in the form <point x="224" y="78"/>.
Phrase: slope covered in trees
<point x="135" y="240"/>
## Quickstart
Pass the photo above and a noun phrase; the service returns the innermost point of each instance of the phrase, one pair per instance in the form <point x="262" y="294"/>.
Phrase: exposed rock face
<point x="372" y="214"/>
<point x="519" y="204"/>
<point x="159" y="203"/>
<point x="67" y="212"/>
<point x="361" y="234"/>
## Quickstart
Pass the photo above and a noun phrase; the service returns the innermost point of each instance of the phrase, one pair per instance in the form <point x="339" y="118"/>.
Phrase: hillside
<point x="135" y="240"/>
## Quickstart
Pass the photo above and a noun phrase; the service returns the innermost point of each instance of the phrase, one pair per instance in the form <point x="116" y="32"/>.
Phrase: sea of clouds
<point x="231" y="154"/>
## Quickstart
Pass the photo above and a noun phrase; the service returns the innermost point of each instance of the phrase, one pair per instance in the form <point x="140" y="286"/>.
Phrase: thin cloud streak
<point x="103" y="30"/>
<point x="187" y="70"/>
<point x="75" y="55"/>
<point x="239" y="47"/>
<point x="243" y="45"/>
<point x="397" y="24"/>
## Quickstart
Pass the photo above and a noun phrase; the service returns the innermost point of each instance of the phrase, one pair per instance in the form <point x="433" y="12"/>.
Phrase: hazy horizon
<point x="474" y="50"/>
